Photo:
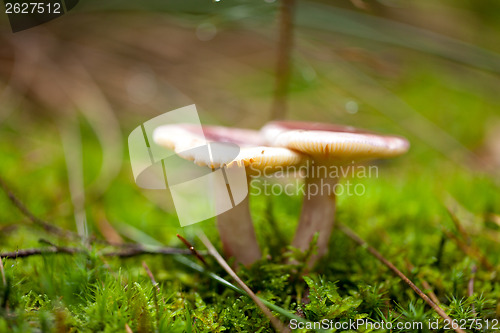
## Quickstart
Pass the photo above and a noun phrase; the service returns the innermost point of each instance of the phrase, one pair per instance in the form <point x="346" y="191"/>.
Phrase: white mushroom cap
<point x="326" y="141"/>
<point x="253" y="153"/>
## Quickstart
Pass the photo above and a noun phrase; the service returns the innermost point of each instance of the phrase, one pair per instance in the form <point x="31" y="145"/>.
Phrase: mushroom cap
<point x="335" y="142"/>
<point x="252" y="152"/>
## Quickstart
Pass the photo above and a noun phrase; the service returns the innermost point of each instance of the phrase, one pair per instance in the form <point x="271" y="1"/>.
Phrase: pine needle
<point x="352" y="235"/>
<point x="279" y="326"/>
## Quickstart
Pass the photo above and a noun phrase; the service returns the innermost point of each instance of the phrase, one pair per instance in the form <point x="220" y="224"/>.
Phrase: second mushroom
<point x="328" y="146"/>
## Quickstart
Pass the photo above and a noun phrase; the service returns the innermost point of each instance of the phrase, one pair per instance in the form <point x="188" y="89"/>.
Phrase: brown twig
<point x="158" y="291"/>
<point x="470" y="285"/>
<point x="151" y="276"/>
<point x="278" y="325"/>
<point x="192" y="249"/>
<point x="351" y="234"/>
<point x="123" y="253"/>
<point x="153" y="281"/>
<point x="283" y="70"/>
<point x="127" y="250"/>
<point x="33" y="252"/>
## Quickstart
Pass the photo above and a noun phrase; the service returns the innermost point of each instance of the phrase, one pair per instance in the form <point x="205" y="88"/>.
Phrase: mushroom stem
<point x="238" y="235"/>
<point x="318" y="215"/>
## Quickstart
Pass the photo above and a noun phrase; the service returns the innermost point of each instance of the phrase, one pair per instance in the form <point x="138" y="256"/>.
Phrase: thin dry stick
<point x="192" y="249"/>
<point x="278" y="325"/>
<point x="151" y="276"/>
<point x="33" y="252"/>
<point x="153" y="281"/>
<point x="26" y="212"/>
<point x="470" y="286"/>
<point x="158" y="291"/>
<point x="124" y="253"/>
<point x="351" y="234"/>
<point x="129" y="250"/>
<point x="278" y="110"/>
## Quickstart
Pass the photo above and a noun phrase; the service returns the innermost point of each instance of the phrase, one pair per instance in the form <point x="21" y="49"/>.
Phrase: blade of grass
<point x="100" y="114"/>
<point x="277" y="324"/>
<point x="191" y="264"/>
<point x="34" y="219"/>
<point x="329" y="18"/>
<point x="71" y="140"/>
<point x="4" y="280"/>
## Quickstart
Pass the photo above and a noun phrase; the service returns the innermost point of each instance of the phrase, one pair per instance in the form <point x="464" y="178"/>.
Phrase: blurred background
<point x="71" y="91"/>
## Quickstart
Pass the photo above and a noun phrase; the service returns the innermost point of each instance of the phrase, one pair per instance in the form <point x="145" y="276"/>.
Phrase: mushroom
<point x="328" y="146"/>
<point x="250" y="157"/>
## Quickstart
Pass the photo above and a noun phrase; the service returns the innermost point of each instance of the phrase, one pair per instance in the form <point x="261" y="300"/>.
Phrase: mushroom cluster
<point x="277" y="146"/>
<point x="234" y="225"/>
